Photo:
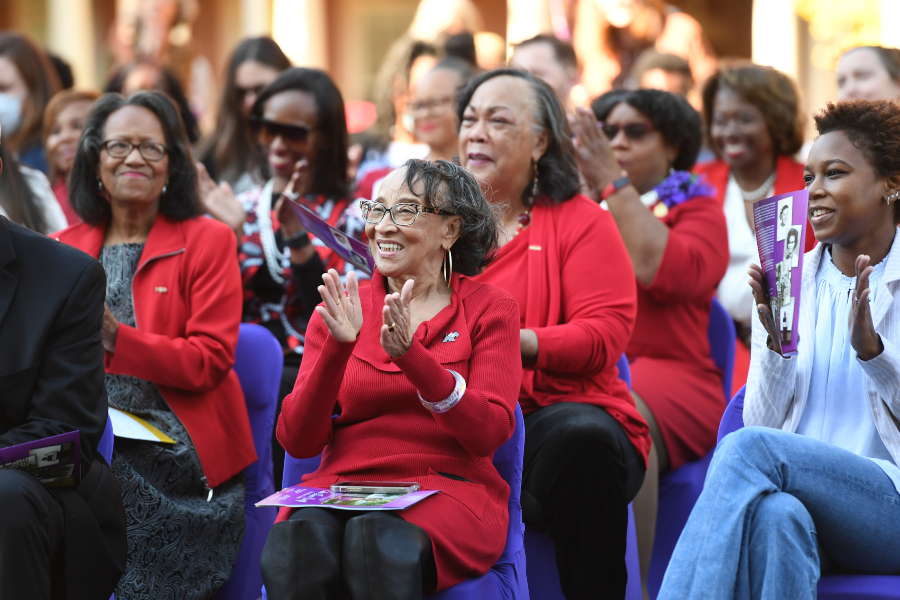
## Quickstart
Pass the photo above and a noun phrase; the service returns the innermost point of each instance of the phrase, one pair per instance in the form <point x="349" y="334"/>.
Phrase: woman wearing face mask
<point x="869" y="73"/>
<point x="27" y="83"/>
<point x="434" y="122"/>
<point x="299" y="122"/>
<point x="564" y="262"/>
<point x="810" y="485"/>
<point x="754" y="126"/>
<point x="675" y="234"/>
<point x="63" y="123"/>
<point x="227" y="154"/>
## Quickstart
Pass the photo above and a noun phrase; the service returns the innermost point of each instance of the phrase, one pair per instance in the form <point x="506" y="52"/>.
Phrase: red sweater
<point x="187" y="305"/>
<point x="575" y="285"/>
<point x="384" y="433"/>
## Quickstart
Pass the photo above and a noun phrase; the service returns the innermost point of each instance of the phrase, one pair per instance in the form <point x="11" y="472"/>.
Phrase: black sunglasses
<point x="633" y="131"/>
<point x="269" y="130"/>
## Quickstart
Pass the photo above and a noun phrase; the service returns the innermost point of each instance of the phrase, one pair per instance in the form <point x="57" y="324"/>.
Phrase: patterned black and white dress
<point x="179" y="545"/>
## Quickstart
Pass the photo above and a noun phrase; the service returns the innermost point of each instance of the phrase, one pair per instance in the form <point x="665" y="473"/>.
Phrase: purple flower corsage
<point x="678" y="187"/>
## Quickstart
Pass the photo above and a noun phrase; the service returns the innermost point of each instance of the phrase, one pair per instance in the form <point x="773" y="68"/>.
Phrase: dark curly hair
<point x="771" y="91"/>
<point x="670" y="114"/>
<point x="446" y="185"/>
<point x="557" y="169"/>
<point x="328" y="170"/>
<point x="873" y="127"/>
<point x="182" y="198"/>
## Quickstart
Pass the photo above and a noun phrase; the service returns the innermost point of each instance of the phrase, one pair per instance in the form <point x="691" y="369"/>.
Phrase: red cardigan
<point x="788" y="178"/>
<point x="582" y="304"/>
<point x="384" y="433"/>
<point x="187" y="305"/>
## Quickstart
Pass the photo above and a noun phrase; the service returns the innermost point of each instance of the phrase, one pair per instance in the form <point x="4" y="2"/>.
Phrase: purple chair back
<point x="258" y="363"/>
<point x="105" y="448"/>
<point x="831" y="587"/>
<point x="722" y="340"/>
<point x="624" y="370"/>
<point x="506" y="579"/>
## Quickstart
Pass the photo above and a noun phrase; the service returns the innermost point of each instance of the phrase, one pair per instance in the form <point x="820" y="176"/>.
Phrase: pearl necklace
<point x="274" y="258"/>
<point x="760" y="192"/>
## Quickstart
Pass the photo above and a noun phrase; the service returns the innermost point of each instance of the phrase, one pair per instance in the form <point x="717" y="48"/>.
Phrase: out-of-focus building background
<point x="350" y="38"/>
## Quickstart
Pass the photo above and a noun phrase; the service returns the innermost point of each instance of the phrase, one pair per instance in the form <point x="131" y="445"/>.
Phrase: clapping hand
<point x="863" y="337"/>
<point x="296" y="187"/>
<point x="396" y="334"/>
<point x="341" y="312"/>
<point x="220" y="201"/>
<point x="761" y="297"/>
<point x="593" y="153"/>
<point x="110" y="330"/>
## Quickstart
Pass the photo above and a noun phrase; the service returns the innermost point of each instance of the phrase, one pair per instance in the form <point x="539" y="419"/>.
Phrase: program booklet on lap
<point x="780" y="223"/>
<point x="55" y="461"/>
<point x="298" y="496"/>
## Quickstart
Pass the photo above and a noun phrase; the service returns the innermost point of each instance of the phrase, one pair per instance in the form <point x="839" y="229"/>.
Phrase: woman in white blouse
<point x="812" y="484"/>
<point x="26" y="197"/>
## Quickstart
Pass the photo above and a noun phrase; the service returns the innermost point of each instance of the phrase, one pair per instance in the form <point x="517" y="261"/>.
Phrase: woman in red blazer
<point x="564" y="262"/>
<point x="674" y="231"/>
<point x="173" y="309"/>
<point x="421" y="368"/>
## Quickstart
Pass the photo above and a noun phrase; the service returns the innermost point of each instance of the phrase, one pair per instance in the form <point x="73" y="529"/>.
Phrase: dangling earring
<point x="534" y="186"/>
<point x="99" y="185"/>
<point x="165" y="187"/>
<point x="448" y="272"/>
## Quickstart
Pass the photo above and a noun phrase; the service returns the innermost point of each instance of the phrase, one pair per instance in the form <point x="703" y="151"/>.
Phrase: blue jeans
<point x="770" y="501"/>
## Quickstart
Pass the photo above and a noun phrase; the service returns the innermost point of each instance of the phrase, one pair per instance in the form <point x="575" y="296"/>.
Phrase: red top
<point x="187" y="305"/>
<point x="788" y="178"/>
<point x="366" y="187"/>
<point x="61" y="191"/>
<point x="671" y="366"/>
<point x="573" y="280"/>
<point x="384" y="433"/>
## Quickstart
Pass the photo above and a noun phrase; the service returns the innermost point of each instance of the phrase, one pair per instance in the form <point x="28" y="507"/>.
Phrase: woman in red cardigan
<point x="674" y="230"/>
<point x="564" y="262"/>
<point x="173" y="305"/>
<point x="423" y="382"/>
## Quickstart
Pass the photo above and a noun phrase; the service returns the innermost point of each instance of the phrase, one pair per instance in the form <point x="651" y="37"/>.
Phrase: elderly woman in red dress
<point x="564" y="263"/>
<point x="638" y="161"/>
<point x="422" y="369"/>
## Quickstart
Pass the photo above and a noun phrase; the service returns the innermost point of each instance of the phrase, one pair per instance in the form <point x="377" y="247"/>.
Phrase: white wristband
<point x="451" y="400"/>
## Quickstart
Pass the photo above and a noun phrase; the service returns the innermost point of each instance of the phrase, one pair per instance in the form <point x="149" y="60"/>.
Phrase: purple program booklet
<point x="298" y="496"/>
<point x="780" y="223"/>
<point x="353" y="251"/>
<point x="54" y="461"/>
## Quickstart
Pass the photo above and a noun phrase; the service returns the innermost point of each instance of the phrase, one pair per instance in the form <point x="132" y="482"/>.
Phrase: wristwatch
<point x="301" y="240"/>
<point x="613" y="187"/>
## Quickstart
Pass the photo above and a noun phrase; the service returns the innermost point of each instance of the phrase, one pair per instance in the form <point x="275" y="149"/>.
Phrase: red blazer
<point x="580" y="299"/>
<point x="384" y="433"/>
<point x="788" y="178"/>
<point x="187" y="305"/>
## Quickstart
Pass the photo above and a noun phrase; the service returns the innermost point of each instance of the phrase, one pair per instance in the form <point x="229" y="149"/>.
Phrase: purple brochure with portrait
<point x="298" y="496"/>
<point x="353" y="251"/>
<point x="55" y="461"/>
<point x="781" y="237"/>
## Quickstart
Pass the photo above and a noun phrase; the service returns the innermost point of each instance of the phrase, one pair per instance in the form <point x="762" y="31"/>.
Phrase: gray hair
<point x="450" y="187"/>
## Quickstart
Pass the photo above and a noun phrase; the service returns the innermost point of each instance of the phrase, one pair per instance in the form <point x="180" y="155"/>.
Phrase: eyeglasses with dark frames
<point x="266" y="130"/>
<point x="152" y="151"/>
<point x="633" y="131"/>
<point x="404" y="214"/>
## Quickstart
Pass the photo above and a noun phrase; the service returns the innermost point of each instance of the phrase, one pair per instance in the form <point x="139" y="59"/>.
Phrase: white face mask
<point x="10" y="114"/>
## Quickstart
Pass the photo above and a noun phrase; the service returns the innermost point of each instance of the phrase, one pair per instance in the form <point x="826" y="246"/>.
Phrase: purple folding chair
<point x="105" y="448"/>
<point x="543" y="575"/>
<point x="506" y="579"/>
<point x="679" y="489"/>
<point x="258" y="363"/>
<point x="831" y="587"/>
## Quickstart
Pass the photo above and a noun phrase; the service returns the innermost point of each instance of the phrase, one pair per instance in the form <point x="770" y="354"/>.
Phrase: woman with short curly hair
<point x="754" y="125"/>
<point x="811" y="486"/>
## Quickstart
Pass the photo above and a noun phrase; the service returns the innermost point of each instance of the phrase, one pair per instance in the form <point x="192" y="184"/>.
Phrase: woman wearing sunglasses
<point x="564" y="263"/>
<point x="170" y="329"/>
<point x="638" y="160"/>
<point x="299" y="122"/>
<point x="424" y="365"/>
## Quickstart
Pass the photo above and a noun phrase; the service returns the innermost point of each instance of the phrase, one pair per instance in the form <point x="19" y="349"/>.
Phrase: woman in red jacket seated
<point x="173" y="305"/>
<point x="564" y="262"/>
<point x="424" y="382"/>
<point x="675" y="232"/>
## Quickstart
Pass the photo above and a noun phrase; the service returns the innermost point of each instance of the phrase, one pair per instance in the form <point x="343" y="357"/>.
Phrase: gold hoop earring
<point x="448" y="272"/>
